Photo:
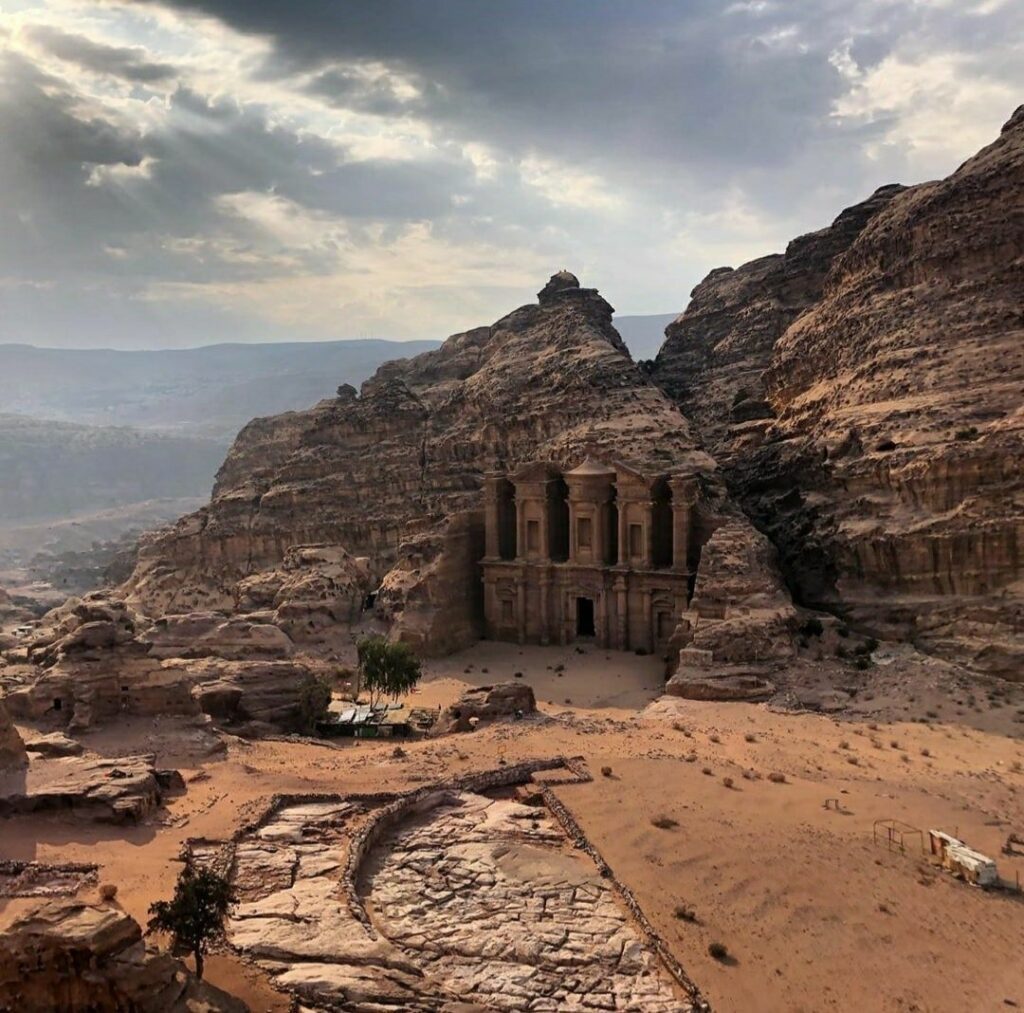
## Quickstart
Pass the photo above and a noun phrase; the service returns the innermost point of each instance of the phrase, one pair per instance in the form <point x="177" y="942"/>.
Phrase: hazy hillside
<point x="56" y="469"/>
<point x="213" y="390"/>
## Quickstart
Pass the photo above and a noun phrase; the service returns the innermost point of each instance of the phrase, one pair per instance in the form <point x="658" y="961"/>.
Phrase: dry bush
<point x="707" y="771"/>
<point x="718" y="950"/>
<point x="777" y="777"/>
<point x="664" y="822"/>
<point x="750" y="737"/>
<point x="606" y="771"/>
<point x="728" y="782"/>
<point x="684" y="913"/>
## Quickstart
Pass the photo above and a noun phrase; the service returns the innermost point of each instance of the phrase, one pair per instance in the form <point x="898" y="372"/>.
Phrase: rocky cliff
<point x="864" y="393"/>
<point x="386" y="484"/>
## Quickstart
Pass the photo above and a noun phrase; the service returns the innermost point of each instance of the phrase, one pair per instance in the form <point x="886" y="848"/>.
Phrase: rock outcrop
<point x="122" y="789"/>
<point x="487" y="703"/>
<point x="863" y="393"/>
<point x="69" y="955"/>
<point x="12" y="748"/>
<point x="388" y="484"/>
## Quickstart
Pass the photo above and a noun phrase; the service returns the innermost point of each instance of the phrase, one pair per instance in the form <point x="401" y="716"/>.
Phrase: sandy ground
<point x="815" y="915"/>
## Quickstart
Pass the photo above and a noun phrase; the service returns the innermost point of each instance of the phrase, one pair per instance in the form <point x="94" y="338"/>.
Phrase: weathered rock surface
<point x="213" y="634"/>
<point x="53" y="744"/>
<point x="394" y="476"/>
<point x="12" y="748"/>
<point x="864" y="395"/>
<point x="476" y="904"/>
<point x="270" y="693"/>
<point x="68" y="955"/>
<point x="487" y="703"/>
<point x="122" y="789"/>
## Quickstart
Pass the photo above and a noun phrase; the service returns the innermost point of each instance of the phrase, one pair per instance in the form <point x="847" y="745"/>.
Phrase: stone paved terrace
<point x="474" y="903"/>
<point x="485" y="896"/>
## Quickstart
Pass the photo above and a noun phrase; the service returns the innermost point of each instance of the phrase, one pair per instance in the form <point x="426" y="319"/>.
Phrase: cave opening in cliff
<point x="558" y="521"/>
<point x="661" y="520"/>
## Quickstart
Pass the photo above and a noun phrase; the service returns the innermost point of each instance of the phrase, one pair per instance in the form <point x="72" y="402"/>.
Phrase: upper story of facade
<point x="596" y="515"/>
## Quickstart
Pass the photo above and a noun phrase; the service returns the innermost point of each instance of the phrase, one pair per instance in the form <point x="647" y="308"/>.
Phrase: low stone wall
<point x="573" y="831"/>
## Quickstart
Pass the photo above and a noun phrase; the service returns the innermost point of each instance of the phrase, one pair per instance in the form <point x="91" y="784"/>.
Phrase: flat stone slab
<point x="53" y="744"/>
<point x="118" y="790"/>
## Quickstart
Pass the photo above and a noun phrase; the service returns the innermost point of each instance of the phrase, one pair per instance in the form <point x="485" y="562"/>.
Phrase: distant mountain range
<point x="211" y="391"/>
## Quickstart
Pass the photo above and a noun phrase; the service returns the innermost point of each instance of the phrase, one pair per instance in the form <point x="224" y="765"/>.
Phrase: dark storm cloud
<point x="127" y="62"/>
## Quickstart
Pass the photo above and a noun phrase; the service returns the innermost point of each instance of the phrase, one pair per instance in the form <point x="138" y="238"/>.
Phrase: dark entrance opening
<point x="584" y="617"/>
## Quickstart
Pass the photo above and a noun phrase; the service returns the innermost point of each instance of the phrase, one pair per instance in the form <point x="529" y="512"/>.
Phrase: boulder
<point x="66" y="954"/>
<point x="12" y="749"/>
<point x="487" y="703"/>
<point x="269" y="693"/>
<point x="53" y="744"/>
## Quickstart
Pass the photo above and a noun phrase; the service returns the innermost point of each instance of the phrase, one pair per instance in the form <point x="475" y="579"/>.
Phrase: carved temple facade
<point x="601" y="553"/>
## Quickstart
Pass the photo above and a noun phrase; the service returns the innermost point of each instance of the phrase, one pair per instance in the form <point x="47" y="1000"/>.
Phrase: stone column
<point x="684" y="497"/>
<point x="492" y="516"/>
<point x="601" y="617"/>
<point x="623" y="533"/>
<point x="545" y="584"/>
<point x="622" y="613"/>
<point x="648" y="631"/>
<point x="521" y="607"/>
<point x="520" y="506"/>
<point x="648" y="562"/>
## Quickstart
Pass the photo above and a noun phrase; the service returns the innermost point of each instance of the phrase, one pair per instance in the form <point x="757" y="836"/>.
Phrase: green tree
<point x="194" y="917"/>
<point x="387" y="669"/>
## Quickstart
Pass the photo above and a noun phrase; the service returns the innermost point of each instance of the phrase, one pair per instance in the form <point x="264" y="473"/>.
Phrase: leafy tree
<point x="387" y="669"/>
<point x="194" y="917"/>
<point x="314" y="700"/>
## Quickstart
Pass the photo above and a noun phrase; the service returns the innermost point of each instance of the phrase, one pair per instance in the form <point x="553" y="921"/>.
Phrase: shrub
<point x="715" y="738"/>
<point x="777" y="777"/>
<point x="728" y="782"/>
<point x="606" y="771"/>
<point x="314" y="700"/>
<point x="812" y="627"/>
<point x="684" y="913"/>
<point x="750" y="737"/>
<point x="970" y="433"/>
<point x="664" y="822"/>
<point x="862" y="663"/>
<point x="719" y="951"/>
<point x="706" y="771"/>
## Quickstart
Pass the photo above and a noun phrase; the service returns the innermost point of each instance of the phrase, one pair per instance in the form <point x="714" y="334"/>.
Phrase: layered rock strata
<point x="864" y="395"/>
<point x="392" y="477"/>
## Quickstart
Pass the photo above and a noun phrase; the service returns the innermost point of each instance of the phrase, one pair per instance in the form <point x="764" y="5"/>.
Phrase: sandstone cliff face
<point x="392" y="477"/>
<point x="869" y="413"/>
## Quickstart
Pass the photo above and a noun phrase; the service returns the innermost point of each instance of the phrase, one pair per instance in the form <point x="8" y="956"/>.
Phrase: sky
<point x="180" y="172"/>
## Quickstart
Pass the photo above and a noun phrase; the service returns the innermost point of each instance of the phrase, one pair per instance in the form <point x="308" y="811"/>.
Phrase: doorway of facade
<point x="585" y="617"/>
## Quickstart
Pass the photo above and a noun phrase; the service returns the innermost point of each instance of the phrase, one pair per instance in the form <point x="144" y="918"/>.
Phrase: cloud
<point x="328" y="168"/>
<point x="125" y="62"/>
